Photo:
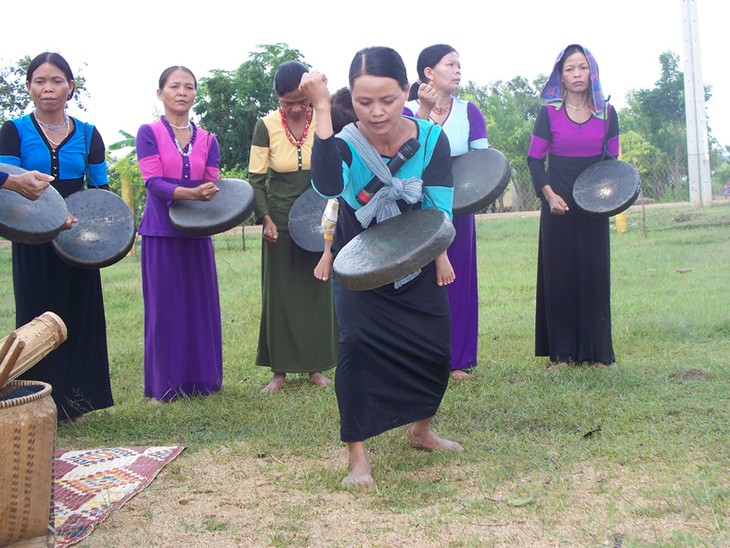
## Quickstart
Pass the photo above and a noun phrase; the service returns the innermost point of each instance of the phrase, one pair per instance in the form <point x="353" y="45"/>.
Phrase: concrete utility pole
<point x="698" y="154"/>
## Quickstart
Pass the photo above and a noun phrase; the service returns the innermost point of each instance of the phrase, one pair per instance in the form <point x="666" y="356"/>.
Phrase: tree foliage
<point x="230" y="102"/>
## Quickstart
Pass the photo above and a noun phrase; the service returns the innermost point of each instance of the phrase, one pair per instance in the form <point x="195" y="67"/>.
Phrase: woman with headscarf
<point x="574" y="129"/>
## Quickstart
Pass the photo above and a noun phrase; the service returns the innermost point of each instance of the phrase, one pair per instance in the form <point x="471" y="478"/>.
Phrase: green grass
<point x="656" y="426"/>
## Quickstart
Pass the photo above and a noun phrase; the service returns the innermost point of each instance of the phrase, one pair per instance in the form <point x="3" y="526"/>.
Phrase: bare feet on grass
<point x="557" y="366"/>
<point x="459" y="374"/>
<point x="319" y="380"/>
<point x="275" y="385"/>
<point x="360" y="475"/>
<point x="420" y="436"/>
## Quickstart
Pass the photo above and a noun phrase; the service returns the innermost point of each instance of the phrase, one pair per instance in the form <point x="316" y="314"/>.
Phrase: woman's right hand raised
<point x="314" y="85"/>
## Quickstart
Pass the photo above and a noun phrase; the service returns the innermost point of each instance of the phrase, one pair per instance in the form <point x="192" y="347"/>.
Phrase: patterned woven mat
<point x="89" y="484"/>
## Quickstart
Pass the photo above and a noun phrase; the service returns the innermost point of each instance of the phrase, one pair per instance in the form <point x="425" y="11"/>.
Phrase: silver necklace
<point x="51" y="126"/>
<point x="51" y="141"/>
<point x="576" y="108"/>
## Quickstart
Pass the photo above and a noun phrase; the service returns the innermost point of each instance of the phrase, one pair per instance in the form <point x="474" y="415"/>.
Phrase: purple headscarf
<point x="553" y="90"/>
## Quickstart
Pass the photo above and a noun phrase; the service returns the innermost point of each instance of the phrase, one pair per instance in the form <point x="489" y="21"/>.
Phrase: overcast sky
<point x="122" y="47"/>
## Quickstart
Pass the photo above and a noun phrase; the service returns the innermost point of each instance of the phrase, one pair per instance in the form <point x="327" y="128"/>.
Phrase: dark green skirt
<point x="298" y="331"/>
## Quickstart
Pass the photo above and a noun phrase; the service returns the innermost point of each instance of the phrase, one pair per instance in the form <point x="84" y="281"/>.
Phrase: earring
<point x="69" y="96"/>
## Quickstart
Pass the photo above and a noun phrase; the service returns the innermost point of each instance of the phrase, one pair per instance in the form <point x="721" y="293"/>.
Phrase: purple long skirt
<point x="463" y="295"/>
<point x="183" y="352"/>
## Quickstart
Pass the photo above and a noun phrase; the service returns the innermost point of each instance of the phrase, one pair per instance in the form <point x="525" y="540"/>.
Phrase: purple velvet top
<point x="164" y="169"/>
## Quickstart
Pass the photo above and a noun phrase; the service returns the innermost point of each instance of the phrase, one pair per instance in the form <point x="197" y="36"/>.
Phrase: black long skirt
<point x="394" y="354"/>
<point x="573" y="301"/>
<point x="78" y="370"/>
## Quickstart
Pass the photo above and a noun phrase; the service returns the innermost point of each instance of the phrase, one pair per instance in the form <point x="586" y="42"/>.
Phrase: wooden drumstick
<point x="5" y="373"/>
<point x="10" y="339"/>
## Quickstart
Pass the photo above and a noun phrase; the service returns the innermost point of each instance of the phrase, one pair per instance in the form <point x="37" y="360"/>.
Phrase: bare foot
<point x="358" y="481"/>
<point x="557" y="366"/>
<point x="154" y="401"/>
<point x="605" y="365"/>
<point x="275" y="385"/>
<point x="428" y="441"/>
<point x="360" y="476"/>
<point x="319" y="379"/>
<point x="459" y="374"/>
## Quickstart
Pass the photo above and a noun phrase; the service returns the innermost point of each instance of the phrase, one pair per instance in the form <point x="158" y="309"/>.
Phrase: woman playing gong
<point x="393" y="365"/>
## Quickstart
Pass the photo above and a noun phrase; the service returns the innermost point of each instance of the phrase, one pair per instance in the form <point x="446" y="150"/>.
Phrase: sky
<point x="122" y="47"/>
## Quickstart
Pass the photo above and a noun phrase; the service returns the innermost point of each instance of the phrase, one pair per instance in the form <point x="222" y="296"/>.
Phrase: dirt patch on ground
<point x="235" y="498"/>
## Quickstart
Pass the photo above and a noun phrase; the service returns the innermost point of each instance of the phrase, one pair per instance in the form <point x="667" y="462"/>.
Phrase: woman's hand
<point x="30" y="184"/>
<point x="558" y="206"/>
<point x="314" y="85"/>
<point x="427" y="97"/>
<point x="206" y="192"/>
<point x="270" y="232"/>
<point x="70" y="221"/>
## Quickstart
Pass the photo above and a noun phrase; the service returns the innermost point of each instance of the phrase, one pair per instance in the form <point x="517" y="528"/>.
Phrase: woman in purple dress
<point x="183" y="353"/>
<point x="575" y="129"/>
<point x="439" y="72"/>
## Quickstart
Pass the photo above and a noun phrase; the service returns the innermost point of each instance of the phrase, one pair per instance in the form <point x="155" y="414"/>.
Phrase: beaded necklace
<point x="289" y="136"/>
<point x="188" y="149"/>
<point x="442" y="110"/>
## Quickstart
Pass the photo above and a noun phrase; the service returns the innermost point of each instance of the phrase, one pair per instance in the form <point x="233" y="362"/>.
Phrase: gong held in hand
<point x="27" y="221"/>
<point x="480" y="177"/>
<point x="230" y="207"/>
<point x="305" y="221"/>
<point x="389" y="251"/>
<point x="104" y="233"/>
<point x="606" y="188"/>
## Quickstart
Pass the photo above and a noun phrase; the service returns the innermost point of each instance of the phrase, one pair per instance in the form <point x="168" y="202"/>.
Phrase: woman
<point x="575" y="129"/>
<point x="393" y="365"/>
<point x="439" y="72"/>
<point x="183" y="354"/>
<point x="297" y="332"/>
<point x="50" y="141"/>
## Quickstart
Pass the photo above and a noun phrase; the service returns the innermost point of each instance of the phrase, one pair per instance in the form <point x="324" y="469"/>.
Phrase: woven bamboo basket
<point x="27" y="452"/>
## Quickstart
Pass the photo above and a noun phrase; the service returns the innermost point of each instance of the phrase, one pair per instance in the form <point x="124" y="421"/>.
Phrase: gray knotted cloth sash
<point x="383" y="205"/>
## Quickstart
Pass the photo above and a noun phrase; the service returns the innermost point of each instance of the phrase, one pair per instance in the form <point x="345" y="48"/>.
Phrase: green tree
<point x="14" y="98"/>
<point x="230" y="102"/>
<point x="659" y="116"/>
